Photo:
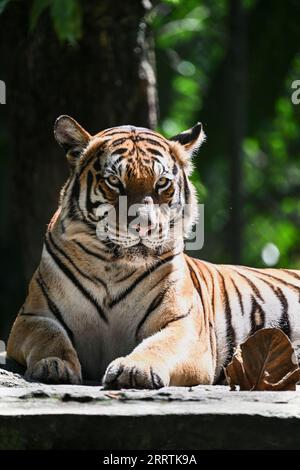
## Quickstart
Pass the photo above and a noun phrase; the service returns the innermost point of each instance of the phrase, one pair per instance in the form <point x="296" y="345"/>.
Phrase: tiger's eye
<point x="163" y="181"/>
<point x="114" y="180"/>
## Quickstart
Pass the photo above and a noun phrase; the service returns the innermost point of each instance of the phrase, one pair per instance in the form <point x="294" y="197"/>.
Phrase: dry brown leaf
<point x="265" y="361"/>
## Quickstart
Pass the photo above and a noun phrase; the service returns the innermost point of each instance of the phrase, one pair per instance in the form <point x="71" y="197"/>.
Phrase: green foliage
<point x="3" y="5"/>
<point x="272" y="180"/>
<point x="66" y="16"/>
<point x="183" y="33"/>
<point x="191" y="39"/>
<point x="37" y="9"/>
<point x="67" y="20"/>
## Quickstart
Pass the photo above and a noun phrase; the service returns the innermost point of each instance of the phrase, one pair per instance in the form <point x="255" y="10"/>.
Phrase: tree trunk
<point x="236" y="124"/>
<point x="107" y="79"/>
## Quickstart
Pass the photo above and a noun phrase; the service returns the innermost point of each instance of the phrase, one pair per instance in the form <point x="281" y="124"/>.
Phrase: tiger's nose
<point x="147" y="200"/>
<point x="141" y="230"/>
<point x="143" y="224"/>
<point x="145" y="218"/>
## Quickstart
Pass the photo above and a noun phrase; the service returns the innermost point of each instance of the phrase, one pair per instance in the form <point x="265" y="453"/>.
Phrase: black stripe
<point x="55" y="362"/>
<point x="119" y="152"/>
<point x="155" y="136"/>
<point x="160" y="282"/>
<point x="103" y="194"/>
<point x="277" y="279"/>
<point x="54" y="309"/>
<point x="284" y="323"/>
<point x="115" y="133"/>
<point x="156" y="380"/>
<point x="180" y="189"/>
<point x="96" y="154"/>
<point x="229" y="330"/>
<point x="118" y="141"/>
<point x="152" y="378"/>
<point x="89" y="252"/>
<point x="67" y="185"/>
<point x="74" y="210"/>
<point x="28" y="314"/>
<point x="45" y="372"/>
<point x="64" y="254"/>
<point x="292" y="273"/>
<point x="140" y="150"/>
<point x="89" y="204"/>
<point x="131" y="375"/>
<point x="68" y="375"/>
<point x="154" y="151"/>
<point x="74" y="196"/>
<point x="68" y="273"/>
<point x="180" y="317"/>
<point x="252" y="315"/>
<point x="256" y="308"/>
<point x="156" y="302"/>
<point x="160" y="163"/>
<point x="252" y="285"/>
<point x="62" y="225"/>
<point x="151" y="141"/>
<point x="87" y="162"/>
<point x="115" y="377"/>
<point x="117" y="161"/>
<point x="212" y="283"/>
<point x="187" y="191"/>
<point x="89" y="183"/>
<point x="129" y="172"/>
<point x="97" y="165"/>
<point x="239" y="296"/>
<point x="141" y="278"/>
<point x="198" y="286"/>
<point x="127" y="276"/>
<point x="155" y="159"/>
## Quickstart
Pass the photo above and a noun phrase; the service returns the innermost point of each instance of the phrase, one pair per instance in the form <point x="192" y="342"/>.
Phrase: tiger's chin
<point x="142" y="252"/>
<point x="138" y="252"/>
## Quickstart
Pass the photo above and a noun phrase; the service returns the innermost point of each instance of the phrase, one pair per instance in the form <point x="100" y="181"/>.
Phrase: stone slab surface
<point x="38" y="416"/>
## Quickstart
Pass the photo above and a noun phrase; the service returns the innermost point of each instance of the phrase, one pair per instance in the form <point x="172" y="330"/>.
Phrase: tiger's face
<point x="131" y="184"/>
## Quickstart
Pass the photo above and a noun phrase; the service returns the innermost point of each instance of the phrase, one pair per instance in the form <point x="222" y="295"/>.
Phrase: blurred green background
<point x="227" y="63"/>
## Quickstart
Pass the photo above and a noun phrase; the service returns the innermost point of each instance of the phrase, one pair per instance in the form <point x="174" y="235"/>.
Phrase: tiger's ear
<point x="71" y="136"/>
<point x="191" y="139"/>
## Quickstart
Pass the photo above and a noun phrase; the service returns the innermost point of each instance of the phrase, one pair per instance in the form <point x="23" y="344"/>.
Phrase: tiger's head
<point x="130" y="185"/>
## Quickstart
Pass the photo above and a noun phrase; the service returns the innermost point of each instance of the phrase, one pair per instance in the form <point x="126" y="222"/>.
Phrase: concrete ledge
<point x="37" y="416"/>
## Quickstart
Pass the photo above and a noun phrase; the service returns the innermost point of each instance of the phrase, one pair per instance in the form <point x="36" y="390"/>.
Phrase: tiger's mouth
<point x="140" y="251"/>
<point x="150" y="232"/>
<point x="140" y="239"/>
<point x="138" y="235"/>
<point x="134" y="253"/>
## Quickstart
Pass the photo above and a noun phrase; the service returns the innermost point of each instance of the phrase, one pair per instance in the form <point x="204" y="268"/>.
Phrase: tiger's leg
<point x="179" y="354"/>
<point x="43" y="346"/>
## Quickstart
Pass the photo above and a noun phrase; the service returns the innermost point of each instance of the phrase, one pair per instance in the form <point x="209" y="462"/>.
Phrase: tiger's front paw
<point x="53" y="370"/>
<point x="126" y="372"/>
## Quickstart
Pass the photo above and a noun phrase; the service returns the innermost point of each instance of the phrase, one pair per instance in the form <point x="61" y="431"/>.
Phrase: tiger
<point x="129" y="308"/>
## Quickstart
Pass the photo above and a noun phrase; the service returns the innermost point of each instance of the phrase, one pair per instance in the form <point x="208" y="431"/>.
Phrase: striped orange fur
<point x="131" y="310"/>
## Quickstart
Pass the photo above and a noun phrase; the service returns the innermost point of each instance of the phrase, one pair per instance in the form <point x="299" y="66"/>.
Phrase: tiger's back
<point x="245" y="300"/>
